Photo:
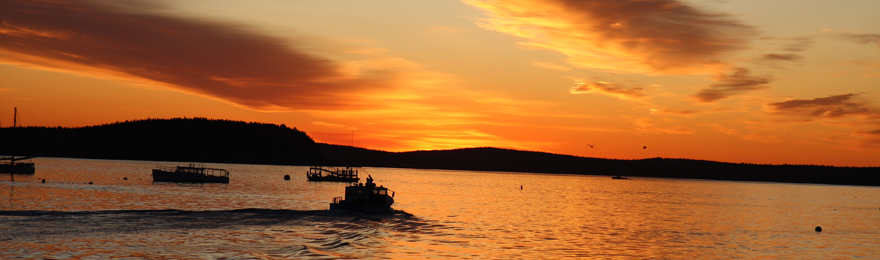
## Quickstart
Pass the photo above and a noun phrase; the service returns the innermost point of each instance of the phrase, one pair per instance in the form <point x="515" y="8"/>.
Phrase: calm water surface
<point x="440" y="214"/>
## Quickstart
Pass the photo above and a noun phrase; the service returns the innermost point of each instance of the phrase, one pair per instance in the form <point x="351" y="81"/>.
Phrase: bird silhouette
<point x="591" y="145"/>
<point x="644" y="147"/>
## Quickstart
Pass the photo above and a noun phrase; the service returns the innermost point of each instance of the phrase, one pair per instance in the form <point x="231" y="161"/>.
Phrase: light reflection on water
<point x="459" y="214"/>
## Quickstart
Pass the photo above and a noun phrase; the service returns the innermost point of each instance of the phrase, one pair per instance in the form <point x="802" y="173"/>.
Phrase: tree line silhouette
<point x="506" y="160"/>
<point x="178" y="139"/>
<point x="226" y="141"/>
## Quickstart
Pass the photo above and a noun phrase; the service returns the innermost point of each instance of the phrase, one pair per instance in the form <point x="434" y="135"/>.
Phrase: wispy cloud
<point x="872" y="138"/>
<point x="847" y="110"/>
<point x="799" y="44"/>
<point x="739" y="81"/>
<point x="551" y="66"/>
<point x="826" y="107"/>
<point x="333" y="125"/>
<point x="666" y="111"/>
<point x="654" y="37"/>
<point x="610" y="89"/>
<point x="781" y="57"/>
<point x="226" y="61"/>
<point x="863" y="38"/>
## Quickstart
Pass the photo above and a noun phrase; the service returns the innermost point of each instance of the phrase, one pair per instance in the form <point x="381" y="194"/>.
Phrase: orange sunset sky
<point x="782" y="82"/>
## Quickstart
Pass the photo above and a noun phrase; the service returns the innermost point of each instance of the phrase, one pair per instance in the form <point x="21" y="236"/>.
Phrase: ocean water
<point x="439" y="214"/>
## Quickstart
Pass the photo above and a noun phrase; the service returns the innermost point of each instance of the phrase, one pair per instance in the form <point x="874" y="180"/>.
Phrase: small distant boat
<point x="10" y="164"/>
<point x="192" y="173"/>
<point x="365" y="198"/>
<point x="338" y="175"/>
<point x="618" y="177"/>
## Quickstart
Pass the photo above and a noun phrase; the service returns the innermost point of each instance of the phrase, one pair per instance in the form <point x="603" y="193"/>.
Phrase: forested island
<point x="225" y="141"/>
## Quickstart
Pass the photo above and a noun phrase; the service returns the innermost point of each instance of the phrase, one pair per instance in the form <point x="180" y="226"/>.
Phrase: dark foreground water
<point x="439" y="214"/>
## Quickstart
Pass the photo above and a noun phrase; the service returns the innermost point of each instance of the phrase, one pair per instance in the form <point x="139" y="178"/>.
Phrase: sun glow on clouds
<point x="218" y="60"/>
<point x="676" y="71"/>
<point x="650" y="37"/>
<point x="363" y="86"/>
<point x="658" y="37"/>
<point x="610" y="89"/>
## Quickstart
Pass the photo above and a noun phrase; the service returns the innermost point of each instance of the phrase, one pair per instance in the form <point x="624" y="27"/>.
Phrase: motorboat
<point x="365" y="198"/>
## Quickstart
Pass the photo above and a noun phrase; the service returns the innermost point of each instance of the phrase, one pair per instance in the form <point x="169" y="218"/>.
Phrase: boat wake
<point x="242" y="233"/>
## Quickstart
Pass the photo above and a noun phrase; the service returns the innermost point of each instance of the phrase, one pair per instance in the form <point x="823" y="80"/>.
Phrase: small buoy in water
<point x="90" y="183"/>
<point x="44" y="180"/>
<point x="520" y="187"/>
<point x="286" y="177"/>
<point x="818" y="229"/>
<point x="125" y="178"/>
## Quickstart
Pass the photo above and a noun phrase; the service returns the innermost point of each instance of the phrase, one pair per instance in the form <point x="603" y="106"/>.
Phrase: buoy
<point x="44" y="180"/>
<point x="90" y="183"/>
<point x="286" y="177"/>
<point x="818" y="229"/>
<point x="125" y="178"/>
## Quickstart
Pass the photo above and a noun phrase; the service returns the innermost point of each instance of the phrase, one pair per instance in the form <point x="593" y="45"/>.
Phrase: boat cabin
<point x="365" y="192"/>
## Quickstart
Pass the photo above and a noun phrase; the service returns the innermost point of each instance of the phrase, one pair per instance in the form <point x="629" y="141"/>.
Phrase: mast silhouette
<point x="14" y="122"/>
<point x="13" y="167"/>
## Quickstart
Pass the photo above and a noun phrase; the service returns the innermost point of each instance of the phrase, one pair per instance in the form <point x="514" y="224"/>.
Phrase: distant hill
<point x="495" y="159"/>
<point x="225" y="141"/>
<point x="179" y="139"/>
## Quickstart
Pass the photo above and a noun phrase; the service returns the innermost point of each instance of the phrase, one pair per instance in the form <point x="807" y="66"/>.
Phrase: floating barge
<point x="336" y="175"/>
<point x="365" y="198"/>
<point x="191" y="174"/>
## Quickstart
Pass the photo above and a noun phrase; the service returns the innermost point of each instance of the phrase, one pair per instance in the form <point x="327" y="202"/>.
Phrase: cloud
<point x="782" y="57"/>
<point x="738" y="81"/>
<point x="872" y="133"/>
<point x="846" y="110"/>
<point x="871" y="138"/>
<point x="551" y="66"/>
<point x="863" y="38"/>
<point x="672" y="112"/>
<point x="225" y="61"/>
<point x="799" y="44"/>
<point x="652" y="37"/>
<point x="333" y="125"/>
<point x="827" y="107"/>
<point x="610" y="89"/>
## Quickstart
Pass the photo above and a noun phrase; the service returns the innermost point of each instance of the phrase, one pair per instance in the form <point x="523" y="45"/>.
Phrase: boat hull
<point x="18" y="168"/>
<point x="165" y="176"/>
<point x="362" y="208"/>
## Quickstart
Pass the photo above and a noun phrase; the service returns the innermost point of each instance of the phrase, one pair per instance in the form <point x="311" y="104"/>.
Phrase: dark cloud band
<point x="221" y="60"/>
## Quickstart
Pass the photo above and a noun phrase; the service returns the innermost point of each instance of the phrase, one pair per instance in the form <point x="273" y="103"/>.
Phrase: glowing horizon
<point x="743" y="81"/>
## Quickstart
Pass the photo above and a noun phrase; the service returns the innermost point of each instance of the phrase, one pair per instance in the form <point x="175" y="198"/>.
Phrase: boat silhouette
<point x="9" y="164"/>
<point x="318" y="173"/>
<point x="192" y="174"/>
<point x="365" y="198"/>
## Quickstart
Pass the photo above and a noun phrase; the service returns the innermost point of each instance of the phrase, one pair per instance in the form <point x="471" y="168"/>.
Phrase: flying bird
<point x="591" y="145"/>
<point x="644" y="147"/>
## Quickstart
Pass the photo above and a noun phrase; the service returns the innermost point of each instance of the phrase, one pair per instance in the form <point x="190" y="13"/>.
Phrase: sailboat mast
<point x="14" y="121"/>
